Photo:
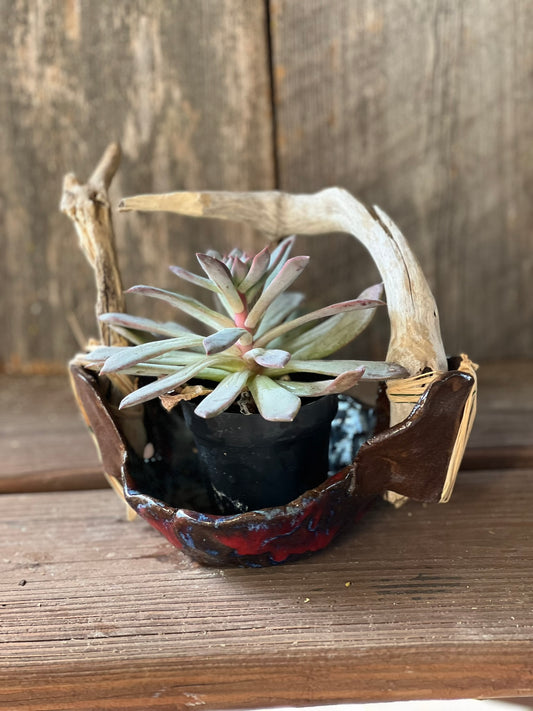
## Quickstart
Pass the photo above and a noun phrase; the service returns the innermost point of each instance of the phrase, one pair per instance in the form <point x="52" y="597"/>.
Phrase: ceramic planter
<point x="423" y="421"/>
<point x="410" y="458"/>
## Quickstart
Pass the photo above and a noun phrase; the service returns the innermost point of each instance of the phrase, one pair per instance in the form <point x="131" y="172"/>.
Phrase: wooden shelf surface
<point x="44" y="442"/>
<point x="97" y="613"/>
<point x="424" y="601"/>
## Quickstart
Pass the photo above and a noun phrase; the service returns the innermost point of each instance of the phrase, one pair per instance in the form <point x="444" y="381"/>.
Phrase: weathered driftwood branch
<point x="89" y="209"/>
<point x="415" y="340"/>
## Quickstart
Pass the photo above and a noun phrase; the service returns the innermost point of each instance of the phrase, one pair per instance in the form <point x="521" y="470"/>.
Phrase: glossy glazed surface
<point x="410" y="458"/>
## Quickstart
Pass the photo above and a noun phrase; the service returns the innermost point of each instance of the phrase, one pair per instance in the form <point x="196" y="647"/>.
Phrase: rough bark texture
<point x="88" y="208"/>
<point x="420" y="106"/>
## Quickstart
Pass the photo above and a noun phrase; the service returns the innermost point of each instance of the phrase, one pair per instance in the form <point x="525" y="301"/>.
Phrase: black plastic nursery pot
<point x="251" y="463"/>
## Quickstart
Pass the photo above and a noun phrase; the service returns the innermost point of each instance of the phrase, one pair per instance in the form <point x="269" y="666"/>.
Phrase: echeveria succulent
<point x="255" y="342"/>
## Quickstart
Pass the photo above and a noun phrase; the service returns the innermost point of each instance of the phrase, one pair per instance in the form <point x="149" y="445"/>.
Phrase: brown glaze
<point x="412" y="457"/>
<point x="95" y="408"/>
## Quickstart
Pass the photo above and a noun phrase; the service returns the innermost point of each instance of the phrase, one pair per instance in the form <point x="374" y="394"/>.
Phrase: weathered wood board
<point x="421" y="602"/>
<point x="184" y="86"/>
<point x="44" y="442"/>
<point x="422" y="107"/>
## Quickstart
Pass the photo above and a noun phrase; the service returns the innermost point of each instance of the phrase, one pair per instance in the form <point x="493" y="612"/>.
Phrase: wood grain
<point x="44" y="442"/>
<point x="184" y="87"/>
<point x="423" y="107"/>
<point x="420" y="106"/>
<point x="425" y="601"/>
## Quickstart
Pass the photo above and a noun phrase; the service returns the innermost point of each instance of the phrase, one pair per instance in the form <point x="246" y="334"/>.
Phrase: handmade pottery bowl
<point x="411" y="459"/>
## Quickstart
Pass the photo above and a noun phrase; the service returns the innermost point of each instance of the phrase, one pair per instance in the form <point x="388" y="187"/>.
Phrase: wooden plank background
<point x="184" y="86"/>
<point x="423" y="107"/>
<point x="420" y="106"/>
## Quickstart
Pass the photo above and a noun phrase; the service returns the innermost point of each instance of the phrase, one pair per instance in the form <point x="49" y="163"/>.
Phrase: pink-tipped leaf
<point x="340" y="384"/>
<point x="374" y="370"/>
<point x="220" y="275"/>
<point x="238" y="270"/>
<point x="289" y="272"/>
<point x="333" y="333"/>
<point x="277" y="259"/>
<point x="257" y="270"/>
<point x="281" y="253"/>
<point x="188" y="305"/>
<point x="333" y="309"/>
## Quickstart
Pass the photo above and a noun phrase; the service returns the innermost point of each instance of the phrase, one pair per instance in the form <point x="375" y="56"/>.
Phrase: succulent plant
<point x="255" y="343"/>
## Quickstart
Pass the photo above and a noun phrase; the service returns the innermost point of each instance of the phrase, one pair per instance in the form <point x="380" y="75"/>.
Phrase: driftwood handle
<point x="89" y="209"/>
<point x="415" y="340"/>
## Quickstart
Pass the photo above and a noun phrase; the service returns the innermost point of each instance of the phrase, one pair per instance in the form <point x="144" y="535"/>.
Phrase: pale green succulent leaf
<point x="220" y="275"/>
<point x="333" y="309"/>
<point x="221" y="340"/>
<point x="167" y="384"/>
<point x="238" y="270"/>
<point x="374" y="370"/>
<point x="132" y="355"/>
<point x="100" y="354"/>
<point x="157" y="370"/>
<point x="193" y="278"/>
<point x="223" y="395"/>
<point x="250" y="356"/>
<point x="329" y="336"/>
<point x="286" y="276"/>
<point x="273" y="402"/>
<point x="333" y="333"/>
<point x="266" y="358"/>
<point x="340" y="384"/>
<point x="281" y="253"/>
<point x="138" y="323"/>
<point x="277" y="259"/>
<point x="229" y="363"/>
<point x="134" y="337"/>
<point x="188" y="305"/>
